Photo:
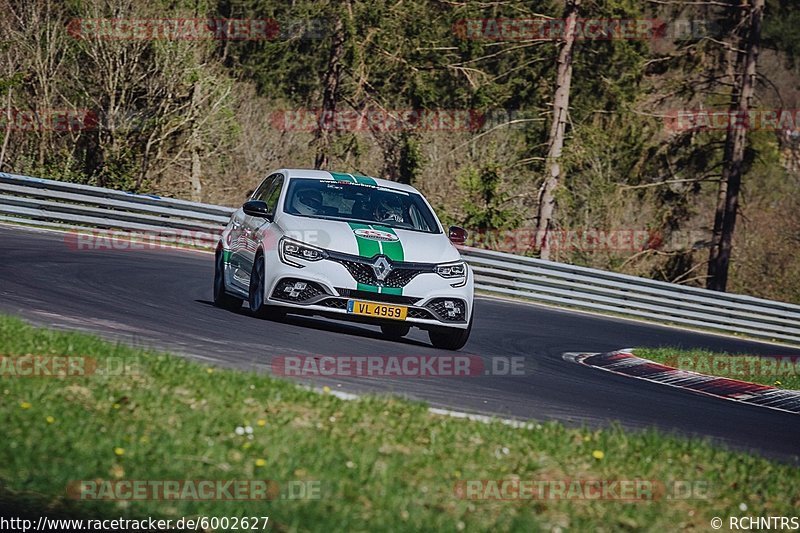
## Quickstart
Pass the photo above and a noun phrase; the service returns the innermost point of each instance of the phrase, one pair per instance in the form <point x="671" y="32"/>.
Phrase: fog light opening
<point x="453" y="309"/>
<point x="295" y="290"/>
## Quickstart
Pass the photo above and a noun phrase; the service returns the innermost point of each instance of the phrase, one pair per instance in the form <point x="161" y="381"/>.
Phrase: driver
<point x="308" y="201"/>
<point x="389" y="208"/>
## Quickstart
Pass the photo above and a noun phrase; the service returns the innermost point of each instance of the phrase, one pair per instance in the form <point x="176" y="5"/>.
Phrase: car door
<point x="255" y="227"/>
<point x="241" y="259"/>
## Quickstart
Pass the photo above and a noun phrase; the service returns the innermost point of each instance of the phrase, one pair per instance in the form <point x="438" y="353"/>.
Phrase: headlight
<point x="452" y="270"/>
<point x="290" y="249"/>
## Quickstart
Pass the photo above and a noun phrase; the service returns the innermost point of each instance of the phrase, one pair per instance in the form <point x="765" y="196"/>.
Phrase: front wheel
<point x="256" y="293"/>
<point x="450" y="338"/>
<point x="221" y="297"/>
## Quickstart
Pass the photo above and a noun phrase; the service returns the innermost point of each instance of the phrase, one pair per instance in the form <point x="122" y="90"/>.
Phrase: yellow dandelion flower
<point x="25" y="405"/>
<point x="50" y="419"/>
<point x="209" y="370"/>
<point x="261" y="462"/>
<point x="326" y="389"/>
<point x="115" y="406"/>
<point x="598" y="454"/>
<point x="119" y="451"/>
<point x="261" y="422"/>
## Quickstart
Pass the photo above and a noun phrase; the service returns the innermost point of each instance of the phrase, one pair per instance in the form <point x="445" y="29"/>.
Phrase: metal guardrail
<point x="608" y="292"/>
<point x="74" y="206"/>
<point x="49" y="201"/>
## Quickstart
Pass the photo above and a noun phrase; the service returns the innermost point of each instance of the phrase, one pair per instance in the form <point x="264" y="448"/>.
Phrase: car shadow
<point x="324" y="324"/>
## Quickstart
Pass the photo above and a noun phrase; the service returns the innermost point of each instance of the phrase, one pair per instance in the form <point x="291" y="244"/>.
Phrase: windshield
<point x="359" y="202"/>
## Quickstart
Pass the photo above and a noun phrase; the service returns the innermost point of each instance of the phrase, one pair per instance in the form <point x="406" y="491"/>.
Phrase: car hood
<point x="368" y="240"/>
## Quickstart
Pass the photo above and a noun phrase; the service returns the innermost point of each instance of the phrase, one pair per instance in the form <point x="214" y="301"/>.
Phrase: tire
<point x="256" y="291"/>
<point x="450" y="338"/>
<point x="395" y="331"/>
<point x="221" y="297"/>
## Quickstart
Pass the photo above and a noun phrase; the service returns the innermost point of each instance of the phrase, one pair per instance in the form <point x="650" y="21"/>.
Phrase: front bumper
<point x="329" y="286"/>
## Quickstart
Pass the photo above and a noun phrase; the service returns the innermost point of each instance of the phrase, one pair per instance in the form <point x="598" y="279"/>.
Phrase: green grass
<point x="785" y="373"/>
<point x="382" y="463"/>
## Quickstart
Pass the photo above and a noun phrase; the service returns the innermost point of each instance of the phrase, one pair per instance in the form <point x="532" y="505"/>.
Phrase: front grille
<point x="400" y="277"/>
<point x="449" y="309"/>
<point x="296" y="290"/>
<point x="363" y="273"/>
<point x="377" y="297"/>
<point x="361" y="269"/>
<point x="334" y="303"/>
<point x="420" y="313"/>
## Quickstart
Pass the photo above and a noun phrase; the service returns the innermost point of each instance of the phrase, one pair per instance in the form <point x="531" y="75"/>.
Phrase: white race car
<point x="348" y="247"/>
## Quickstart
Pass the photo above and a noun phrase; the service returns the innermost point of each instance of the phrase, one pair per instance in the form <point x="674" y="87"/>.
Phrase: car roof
<point x="291" y="173"/>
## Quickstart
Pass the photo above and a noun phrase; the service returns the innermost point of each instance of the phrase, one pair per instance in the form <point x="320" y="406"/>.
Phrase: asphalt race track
<point x="161" y="298"/>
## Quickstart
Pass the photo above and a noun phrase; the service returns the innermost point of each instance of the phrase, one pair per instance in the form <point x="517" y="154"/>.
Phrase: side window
<point x="274" y="193"/>
<point x="261" y="192"/>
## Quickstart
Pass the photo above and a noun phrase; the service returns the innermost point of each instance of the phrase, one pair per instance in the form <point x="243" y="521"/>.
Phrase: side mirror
<point x="457" y="235"/>
<point x="257" y="208"/>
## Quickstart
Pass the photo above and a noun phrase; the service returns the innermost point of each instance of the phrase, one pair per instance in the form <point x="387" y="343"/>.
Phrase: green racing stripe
<point x="354" y="178"/>
<point x="365" y="180"/>
<point x="368" y="248"/>
<point x="338" y="176"/>
<point x="392" y="250"/>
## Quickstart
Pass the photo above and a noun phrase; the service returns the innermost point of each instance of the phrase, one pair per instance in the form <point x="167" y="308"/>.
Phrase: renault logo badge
<point x="382" y="268"/>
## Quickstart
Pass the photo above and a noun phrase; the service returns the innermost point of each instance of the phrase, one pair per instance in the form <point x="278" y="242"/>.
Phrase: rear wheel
<point x="222" y="298"/>
<point x="395" y="331"/>
<point x="256" y="293"/>
<point x="450" y="338"/>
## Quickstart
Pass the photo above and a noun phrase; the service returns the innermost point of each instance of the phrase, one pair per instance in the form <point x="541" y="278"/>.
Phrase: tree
<point x="486" y="206"/>
<point x="558" y="127"/>
<point x="330" y="92"/>
<point x="735" y="141"/>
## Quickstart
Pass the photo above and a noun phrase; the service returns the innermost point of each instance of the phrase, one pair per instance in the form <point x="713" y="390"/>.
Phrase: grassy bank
<point x="379" y="463"/>
<point x="781" y="372"/>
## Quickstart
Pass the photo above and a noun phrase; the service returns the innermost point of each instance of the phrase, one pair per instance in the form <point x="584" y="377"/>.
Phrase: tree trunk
<point x="547" y="202"/>
<point x="197" y="185"/>
<point x="330" y="90"/>
<point x="7" y="133"/>
<point x="735" y="141"/>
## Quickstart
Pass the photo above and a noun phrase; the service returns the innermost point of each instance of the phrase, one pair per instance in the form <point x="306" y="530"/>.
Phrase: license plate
<point x="394" y="312"/>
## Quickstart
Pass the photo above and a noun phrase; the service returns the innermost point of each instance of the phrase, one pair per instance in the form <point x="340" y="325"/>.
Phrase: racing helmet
<point x="308" y="201"/>
<point x="389" y="208"/>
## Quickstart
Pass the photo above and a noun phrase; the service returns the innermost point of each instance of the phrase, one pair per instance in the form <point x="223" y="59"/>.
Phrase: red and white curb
<point x="624" y="363"/>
